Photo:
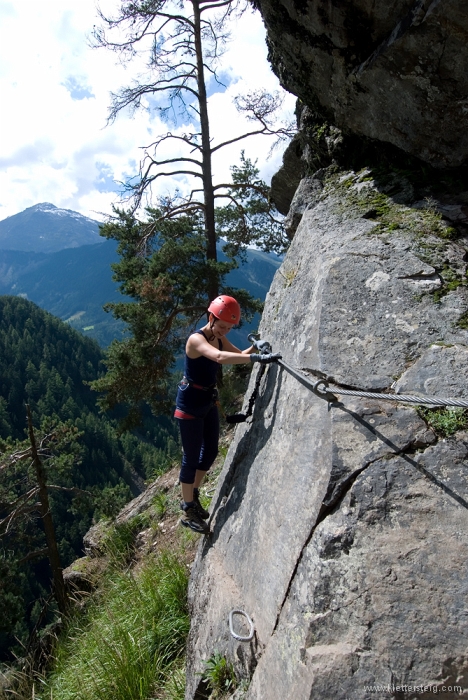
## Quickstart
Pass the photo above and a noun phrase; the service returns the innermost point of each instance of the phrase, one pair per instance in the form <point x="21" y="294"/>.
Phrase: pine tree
<point x="169" y="260"/>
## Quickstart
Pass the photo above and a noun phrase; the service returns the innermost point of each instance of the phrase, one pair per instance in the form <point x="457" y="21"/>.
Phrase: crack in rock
<point x="329" y="378"/>
<point x="335" y="496"/>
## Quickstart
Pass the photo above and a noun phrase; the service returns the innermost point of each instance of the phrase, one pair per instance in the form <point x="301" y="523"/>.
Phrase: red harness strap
<point x="185" y="381"/>
<point x="181" y="414"/>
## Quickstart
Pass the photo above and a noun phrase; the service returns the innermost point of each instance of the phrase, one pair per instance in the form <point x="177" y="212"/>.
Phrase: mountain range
<point x="45" y="228"/>
<point x="64" y="266"/>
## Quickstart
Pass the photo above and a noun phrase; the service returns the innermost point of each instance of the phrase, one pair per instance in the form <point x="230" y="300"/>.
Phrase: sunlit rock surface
<point x="342" y="529"/>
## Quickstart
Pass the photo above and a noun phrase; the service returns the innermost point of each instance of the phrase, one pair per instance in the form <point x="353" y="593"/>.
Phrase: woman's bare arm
<point x="229" y="347"/>
<point x="197" y="345"/>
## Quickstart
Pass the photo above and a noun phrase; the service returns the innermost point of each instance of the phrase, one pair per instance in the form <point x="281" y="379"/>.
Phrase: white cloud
<point x="54" y="142"/>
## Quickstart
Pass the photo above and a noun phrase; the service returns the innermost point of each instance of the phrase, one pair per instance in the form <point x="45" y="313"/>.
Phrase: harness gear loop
<point x="231" y="628"/>
<point x="184" y="381"/>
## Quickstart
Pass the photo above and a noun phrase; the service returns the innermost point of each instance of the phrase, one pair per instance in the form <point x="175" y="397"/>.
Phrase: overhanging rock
<point x="342" y="530"/>
<point x="393" y="71"/>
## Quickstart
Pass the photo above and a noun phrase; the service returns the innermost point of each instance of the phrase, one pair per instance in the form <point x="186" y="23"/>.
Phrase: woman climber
<point x="196" y="404"/>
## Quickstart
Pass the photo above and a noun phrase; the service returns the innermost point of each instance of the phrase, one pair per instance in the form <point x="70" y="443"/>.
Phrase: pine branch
<point x="70" y="489"/>
<point x="239" y="138"/>
<point x="20" y="508"/>
<point x="172" y="160"/>
<point x="42" y="553"/>
<point x="186" y="139"/>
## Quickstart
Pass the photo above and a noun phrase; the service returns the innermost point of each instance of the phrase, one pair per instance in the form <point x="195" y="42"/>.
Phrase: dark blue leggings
<point x="200" y="442"/>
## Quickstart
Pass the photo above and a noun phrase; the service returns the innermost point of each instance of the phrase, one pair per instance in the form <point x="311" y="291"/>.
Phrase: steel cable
<point x="328" y="391"/>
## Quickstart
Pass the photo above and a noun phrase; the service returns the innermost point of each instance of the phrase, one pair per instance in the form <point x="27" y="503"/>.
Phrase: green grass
<point x="445" y="421"/>
<point x="174" y="687"/>
<point x="119" y="542"/>
<point x="219" y="676"/>
<point x="160" y="504"/>
<point x="130" y="642"/>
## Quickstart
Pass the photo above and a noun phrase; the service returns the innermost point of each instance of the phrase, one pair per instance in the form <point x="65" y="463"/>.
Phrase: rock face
<point x="342" y="529"/>
<point x="390" y="70"/>
<point x="285" y="182"/>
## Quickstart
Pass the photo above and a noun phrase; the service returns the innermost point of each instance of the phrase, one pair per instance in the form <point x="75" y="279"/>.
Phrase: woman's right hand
<point x="266" y="359"/>
<point x="263" y="346"/>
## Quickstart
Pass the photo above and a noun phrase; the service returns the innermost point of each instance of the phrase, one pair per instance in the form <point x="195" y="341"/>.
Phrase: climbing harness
<point x="323" y="389"/>
<point x="239" y="637"/>
<point x="184" y="382"/>
<point x="183" y="415"/>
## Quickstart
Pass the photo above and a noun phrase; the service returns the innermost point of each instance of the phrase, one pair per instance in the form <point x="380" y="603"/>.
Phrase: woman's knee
<point x="210" y="452"/>
<point x="187" y="473"/>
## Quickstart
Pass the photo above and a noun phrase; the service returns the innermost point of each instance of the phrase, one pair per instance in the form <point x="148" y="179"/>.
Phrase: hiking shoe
<point x="192" y="519"/>
<point x="201" y="511"/>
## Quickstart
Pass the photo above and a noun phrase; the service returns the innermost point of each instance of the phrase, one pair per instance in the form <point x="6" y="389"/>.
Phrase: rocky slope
<point x="340" y="527"/>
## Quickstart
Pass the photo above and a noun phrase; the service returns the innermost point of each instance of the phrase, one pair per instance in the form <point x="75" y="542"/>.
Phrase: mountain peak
<point x="46" y="228"/>
<point x="47" y="207"/>
<point x="43" y="206"/>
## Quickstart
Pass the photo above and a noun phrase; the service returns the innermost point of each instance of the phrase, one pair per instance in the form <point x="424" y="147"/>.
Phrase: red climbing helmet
<point x="226" y="309"/>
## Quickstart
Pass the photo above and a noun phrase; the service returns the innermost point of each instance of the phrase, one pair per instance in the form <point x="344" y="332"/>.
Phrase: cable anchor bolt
<point x="323" y="393"/>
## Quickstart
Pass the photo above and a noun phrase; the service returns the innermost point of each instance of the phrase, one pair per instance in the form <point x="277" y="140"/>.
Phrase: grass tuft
<point x="119" y="542"/>
<point x="219" y="676"/>
<point x="160" y="504"/>
<point x="133" y="635"/>
<point x="445" y="421"/>
<point x="174" y="687"/>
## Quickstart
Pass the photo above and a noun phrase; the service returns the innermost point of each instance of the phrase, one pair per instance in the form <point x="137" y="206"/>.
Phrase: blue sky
<point x="54" y="143"/>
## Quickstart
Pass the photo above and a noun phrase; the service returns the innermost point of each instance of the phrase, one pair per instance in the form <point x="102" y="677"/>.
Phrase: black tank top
<point x="203" y="372"/>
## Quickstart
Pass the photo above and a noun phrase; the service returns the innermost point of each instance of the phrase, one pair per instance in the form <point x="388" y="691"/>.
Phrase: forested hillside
<point x="72" y="284"/>
<point x="75" y="283"/>
<point x="47" y="364"/>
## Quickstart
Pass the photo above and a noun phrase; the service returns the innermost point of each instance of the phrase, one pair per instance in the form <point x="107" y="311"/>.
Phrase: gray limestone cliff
<point x="394" y="71"/>
<point x="341" y="528"/>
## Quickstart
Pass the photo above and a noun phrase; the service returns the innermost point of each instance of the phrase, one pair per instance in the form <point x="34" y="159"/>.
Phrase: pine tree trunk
<point x="208" y="193"/>
<point x="52" y="549"/>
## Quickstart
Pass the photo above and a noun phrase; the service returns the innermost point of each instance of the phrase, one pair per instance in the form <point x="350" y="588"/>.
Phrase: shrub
<point x="219" y="675"/>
